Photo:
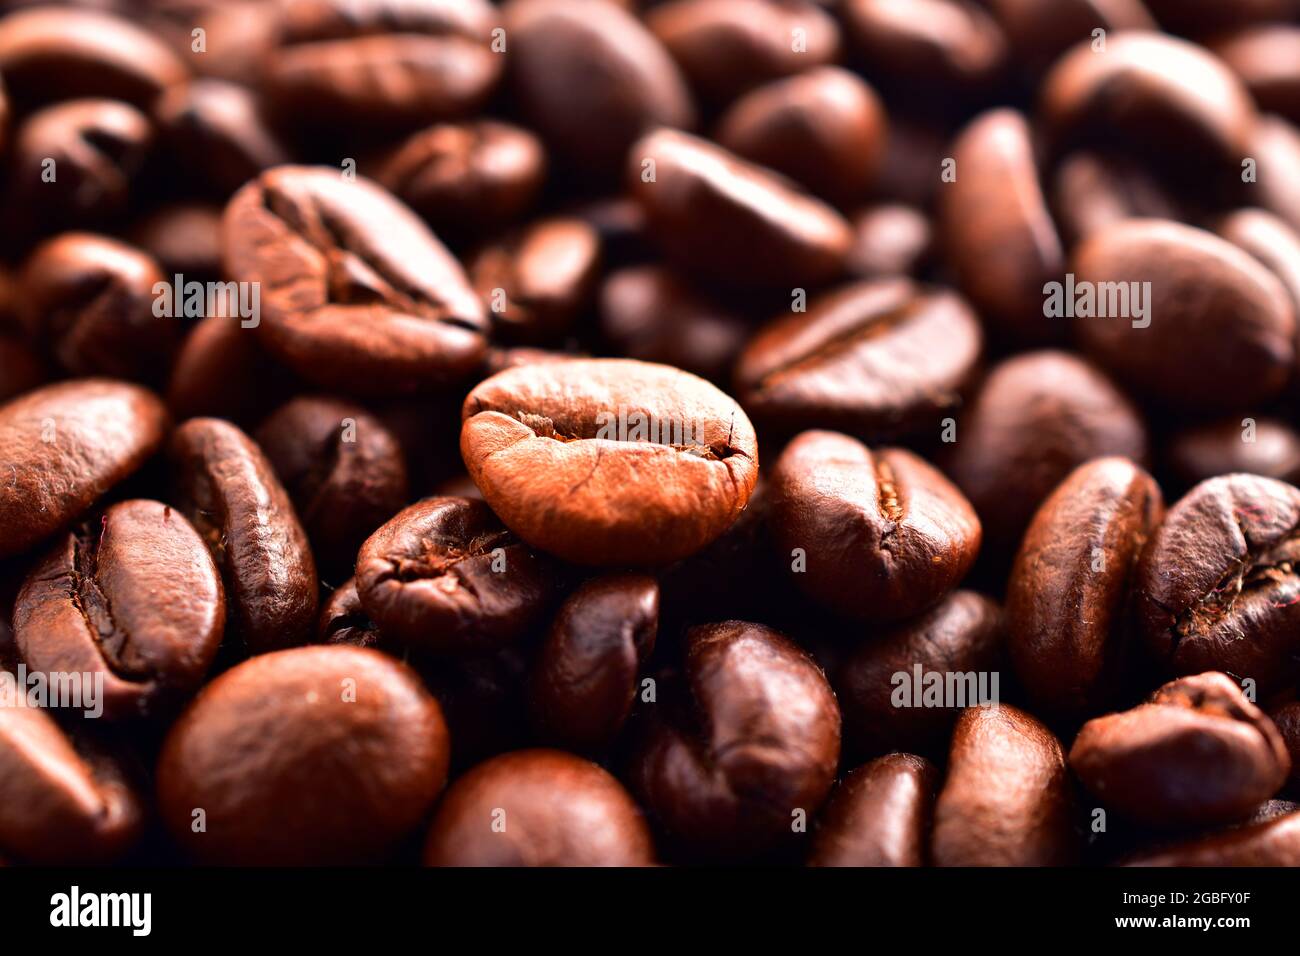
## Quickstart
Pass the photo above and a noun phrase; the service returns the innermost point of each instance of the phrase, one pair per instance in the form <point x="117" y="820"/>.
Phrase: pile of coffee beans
<point x="630" y="432"/>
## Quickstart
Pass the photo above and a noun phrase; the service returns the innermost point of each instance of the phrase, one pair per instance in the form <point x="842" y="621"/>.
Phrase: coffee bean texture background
<point x="630" y="433"/>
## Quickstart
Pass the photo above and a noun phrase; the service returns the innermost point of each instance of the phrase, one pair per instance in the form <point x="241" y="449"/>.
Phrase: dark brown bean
<point x="871" y="534"/>
<point x="1263" y="446"/>
<point x="1270" y="843"/>
<point x="228" y="489"/>
<point x="879" y="815"/>
<point x="1007" y="799"/>
<point x="63" y="447"/>
<point x="1198" y="754"/>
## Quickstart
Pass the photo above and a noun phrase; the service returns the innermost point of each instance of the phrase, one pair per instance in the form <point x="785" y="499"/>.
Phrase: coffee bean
<point x="357" y="292"/>
<point x="62" y="53"/>
<point x="66" y="802"/>
<point x="964" y="633"/>
<point x="1039" y="31"/>
<point x="133" y="598"/>
<point x="882" y="360"/>
<point x="1153" y="92"/>
<point x="92" y="300"/>
<point x="1276" y="148"/>
<point x="720" y="217"/>
<point x="474" y="177"/>
<point x="726" y="47"/>
<point x="96" y="149"/>
<point x="1271" y="843"/>
<point x="344" y="621"/>
<point x="982" y="820"/>
<point x="732" y="782"/>
<point x="183" y="237"/>
<point x="1267" y="58"/>
<point x="226" y="487"/>
<point x="940" y="44"/>
<point x="444" y="575"/>
<point x="343" y="469"/>
<point x="824" y="128"/>
<point x="538" y="808"/>
<point x="221" y="370"/>
<point x="1198" y="753"/>
<point x="651" y="314"/>
<point x="996" y="229"/>
<point x="251" y="744"/>
<point x="1216" y="585"/>
<point x="1035" y="419"/>
<point x="604" y="461"/>
<point x="879" y="815"/>
<point x="218" y="131"/>
<point x="1210" y="308"/>
<point x="538" y="282"/>
<point x="1263" y="446"/>
<point x="1271" y="241"/>
<point x="559" y="47"/>
<point x="890" y="239"/>
<point x="871" y="534"/>
<point x="64" y="446"/>
<point x="21" y="369"/>
<point x="381" y="65"/>
<point x="1069" y="592"/>
<point x="584" y="682"/>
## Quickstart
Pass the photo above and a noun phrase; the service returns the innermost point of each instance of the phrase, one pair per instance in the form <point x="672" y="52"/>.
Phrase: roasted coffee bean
<point x="764" y="744"/>
<point x="1208" y="309"/>
<point x="94" y="148"/>
<point x="1006" y="801"/>
<point x="469" y="177"/>
<point x="228" y="489"/>
<point x="1267" y="58"/>
<point x="1270" y="240"/>
<point x="251" y="745"/>
<point x="1217" y="586"/>
<point x="1197" y="754"/>
<point x="344" y="621"/>
<point x="1276" y="148"/>
<point x="63" y="447"/>
<point x="1039" y="31"/>
<point x="963" y="634"/>
<point x="538" y="282"/>
<point x="914" y="150"/>
<point x="879" y="815"/>
<point x="996" y="229"/>
<point x="445" y="575"/>
<point x="591" y="79"/>
<point x="584" y="681"/>
<point x="184" y="238"/>
<point x="824" y="128"/>
<point x="1035" y="419"/>
<point x="355" y="289"/>
<point x="890" y="239"/>
<point x="871" y="534"/>
<point x="1271" y="843"/>
<point x="61" y="53"/>
<point x="727" y="47"/>
<point x="21" y="369"/>
<point x="133" y="598"/>
<point x="380" y="64"/>
<point x="222" y="370"/>
<point x="880" y="359"/>
<point x="604" y="461"/>
<point x="1155" y="93"/>
<point x="1263" y="446"/>
<point x="65" y="801"/>
<point x="1094" y="190"/>
<point x="720" y="217"/>
<point x="342" y="467"/>
<point x="94" y="303"/>
<point x="651" y="314"/>
<point x="1287" y="721"/>
<point x="1068" y="596"/>
<point x="217" y="130"/>
<point x="953" y="45"/>
<point x="538" y="808"/>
